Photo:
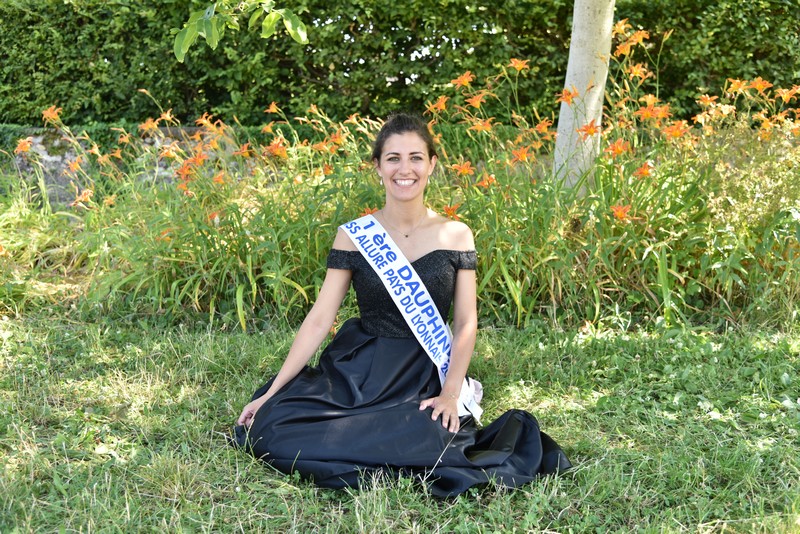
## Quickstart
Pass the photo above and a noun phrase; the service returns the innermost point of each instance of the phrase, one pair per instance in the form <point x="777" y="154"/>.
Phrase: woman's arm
<point x="465" y="328"/>
<point x="315" y="328"/>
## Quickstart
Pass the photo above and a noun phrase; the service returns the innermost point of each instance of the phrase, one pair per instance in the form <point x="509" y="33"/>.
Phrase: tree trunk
<point x="587" y="71"/>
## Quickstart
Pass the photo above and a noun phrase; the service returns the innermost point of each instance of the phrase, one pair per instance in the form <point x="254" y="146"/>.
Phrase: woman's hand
<point x="249" y="411"/>
<point x="447" y="407"/>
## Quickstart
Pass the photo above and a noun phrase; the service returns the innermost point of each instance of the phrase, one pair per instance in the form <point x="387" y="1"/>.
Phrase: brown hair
<point x="400" y="123"/>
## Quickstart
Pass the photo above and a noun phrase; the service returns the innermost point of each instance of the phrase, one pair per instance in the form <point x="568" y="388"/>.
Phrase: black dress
<point x="357" y="413"/>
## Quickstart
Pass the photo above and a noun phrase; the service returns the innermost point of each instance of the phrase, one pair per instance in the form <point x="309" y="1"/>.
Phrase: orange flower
<point x="124" y="138"/>
<point x="273" y="108"/>
<point x="488" y="180"/>
<point x="167" y="116"/>
<point x="243" y="151"/>
<point x="75" y="164"/>
<point x="519" y="64"/>
<point x="649" y="100"/>
<point x="183" y="186"/>
<point x="662" y="112"/>
<point x="368" y="211"/>
<point x="110" y="201"/>
<point x="737" y="86"/>
<point x="267" y="128"/>
<point x="219" y="178"/>
<point x="482" y="126"/>
<point x="706" y="100"/>
<point x="116" y="153"/>
<point x="645" y="113"/>
<point x="439" y="106"/>
<point x="450" y="211"/>
<point x="476" y="100"/>
<point x="313" y="110"/>
<point x="168" y="151"/>
<point x="149" y="125"/>
<point x="567" y="96"/>
<point x="213" y="218"/>
<point x="787" y="94"/>
<point x="676" y="130"/>
<point x="24" y="145"/>
<point x="639" y="70"/>
<point x="464" y="80"/>
<point x="327" y="169"/>
<point x="464" y="169"/>
<point x="520" y="155"/>
<point x="618" y="147"/>
<point x="184" y="172"/>
<point x="759" y="85"/>
<point x="588" y="130"/>
<point x="639" y="36"/>
<point x="544" y="126"/>
<point x="644" y="170"/>
<point x="322" y="146"/>
<point x="51" y="114"/>
<point x="621" y="27"/>
<point x="623" y="49"/>
<point x="337" y="138"/>
<point x="277" y="148"/>
<point x="352" y="119"/>
<point x="84" y="196"/>
<point x="165" y="235"/>
<point x="621" y="212"/>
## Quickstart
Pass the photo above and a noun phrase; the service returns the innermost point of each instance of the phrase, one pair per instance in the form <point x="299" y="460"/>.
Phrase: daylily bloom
<point x="737" y="86"/>
<point x="621" y="27"/>
<point x="520" y="154"/>
<point x="676" y="129"/>
<point x="519" y="64"/>
<point x="450" y="211"/>
<point x="482" y="126"/>
<point x="706" y="100"/>
<point x="439" y="106"/>
<point x="243" y="151"/>
<point x="621" y="212"/>
<point x="368" y="211"/>
<point x="644" y="170"/>
<point x="639" y="70"/>
<point x="273" y="108"/>
<point x="588" y="130"/>
<point x="567" y="96"/>
<point x="464" y="80"/>
<point x="759" y="85"/>
<point x="24" y="145"/>
<point x="476" y="100"/>
<point x="488" y="180"/>
<point x="149" y="125"/>
<point x="464" y="169"/>
<point x="219" y="178"/>
<point x="167" y="116"/>
<point x="84" y="196"/>
<point x="618" y="147"/>
<point x="51" y="114"/>
<point x="277" y="148"/>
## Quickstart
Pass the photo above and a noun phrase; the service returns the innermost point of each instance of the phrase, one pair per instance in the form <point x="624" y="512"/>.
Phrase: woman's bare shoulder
<point x="342" y="242"/>
<point x="455" y="235"/>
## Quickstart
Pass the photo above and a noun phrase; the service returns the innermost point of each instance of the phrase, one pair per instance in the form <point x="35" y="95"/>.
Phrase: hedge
<point x="91" y="57"/>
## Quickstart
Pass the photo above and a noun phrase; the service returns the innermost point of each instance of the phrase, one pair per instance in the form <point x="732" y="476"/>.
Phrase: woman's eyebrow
<point x="398" y="153"/>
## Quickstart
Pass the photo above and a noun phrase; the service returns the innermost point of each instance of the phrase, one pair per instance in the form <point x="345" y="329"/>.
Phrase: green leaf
<point x="185" y="38"/>
<point x="254" y="18"/>
<point x="268" y="25"/>
<point x="240" y="307"/>
<point x="295" y="28"/>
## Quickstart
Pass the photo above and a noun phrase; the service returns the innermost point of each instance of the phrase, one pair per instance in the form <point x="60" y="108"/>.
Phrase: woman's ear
<point x="434" y="159"/>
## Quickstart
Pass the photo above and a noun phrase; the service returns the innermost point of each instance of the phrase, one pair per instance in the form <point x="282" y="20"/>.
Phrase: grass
<point x="115" y="426"/>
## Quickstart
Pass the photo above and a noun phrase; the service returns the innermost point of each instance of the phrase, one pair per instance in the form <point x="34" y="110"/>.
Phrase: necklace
<point x="405" y="234"/>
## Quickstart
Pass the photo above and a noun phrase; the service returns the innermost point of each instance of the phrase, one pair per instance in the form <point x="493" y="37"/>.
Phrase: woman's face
<point x="405" y="166"/>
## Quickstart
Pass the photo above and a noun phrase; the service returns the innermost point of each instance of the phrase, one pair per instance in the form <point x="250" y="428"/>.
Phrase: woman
<point x="376" y="403"/>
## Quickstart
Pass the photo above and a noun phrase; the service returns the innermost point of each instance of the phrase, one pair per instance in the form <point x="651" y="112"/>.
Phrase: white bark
<point x="587" y="71"/>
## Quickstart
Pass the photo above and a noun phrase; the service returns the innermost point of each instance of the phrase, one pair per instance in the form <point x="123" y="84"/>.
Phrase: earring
<point x="381" y="181"/>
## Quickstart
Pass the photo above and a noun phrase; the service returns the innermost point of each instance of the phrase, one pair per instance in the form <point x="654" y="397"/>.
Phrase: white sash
<point x="413" y="300"/>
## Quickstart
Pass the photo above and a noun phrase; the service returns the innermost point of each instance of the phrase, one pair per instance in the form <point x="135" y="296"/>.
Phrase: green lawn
<point x="121" y="427"/>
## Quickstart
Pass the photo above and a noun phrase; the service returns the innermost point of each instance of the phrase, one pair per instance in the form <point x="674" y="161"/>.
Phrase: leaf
<point x="211" y="33"/>
<point x="240" y="306"/>
<point x="254" y="18"/>
<point x="178" y="47"/>
<point x="268" y="25"/>
<point x="295" y="27"/>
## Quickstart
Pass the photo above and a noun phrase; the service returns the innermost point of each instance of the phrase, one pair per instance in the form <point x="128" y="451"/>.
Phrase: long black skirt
<point x="357" y="414"/>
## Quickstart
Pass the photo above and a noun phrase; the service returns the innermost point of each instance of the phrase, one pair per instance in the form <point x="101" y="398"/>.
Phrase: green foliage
<point x="237" y="228"/>
<point x="211" y="23"/>
<point x="364" y="58"/>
